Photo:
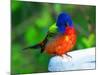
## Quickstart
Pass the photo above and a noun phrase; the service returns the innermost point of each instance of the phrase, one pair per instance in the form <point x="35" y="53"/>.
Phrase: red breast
<point x="63" y="43"/>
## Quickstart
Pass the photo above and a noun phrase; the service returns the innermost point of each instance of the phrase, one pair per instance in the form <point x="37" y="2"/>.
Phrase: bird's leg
<point x="68" y="55"/>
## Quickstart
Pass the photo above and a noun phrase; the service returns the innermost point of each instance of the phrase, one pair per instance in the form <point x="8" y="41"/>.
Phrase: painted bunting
<point x="62" y="42"/>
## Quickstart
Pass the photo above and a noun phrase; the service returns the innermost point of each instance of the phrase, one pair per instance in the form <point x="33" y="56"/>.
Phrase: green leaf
<point x="90" y="41"/>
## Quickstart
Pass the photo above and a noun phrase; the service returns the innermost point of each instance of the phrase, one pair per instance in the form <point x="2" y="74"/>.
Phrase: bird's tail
<point x="41" y="44"/>
<point x="32" y="47"/>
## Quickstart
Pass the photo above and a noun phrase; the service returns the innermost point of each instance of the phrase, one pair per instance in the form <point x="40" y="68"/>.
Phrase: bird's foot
<point x="68" y="55"/>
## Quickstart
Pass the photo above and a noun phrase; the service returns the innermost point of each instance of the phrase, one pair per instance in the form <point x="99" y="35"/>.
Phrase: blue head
<point x="63" y="21"/>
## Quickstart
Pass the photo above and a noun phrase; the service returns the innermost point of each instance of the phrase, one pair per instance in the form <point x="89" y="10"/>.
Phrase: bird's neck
<point x="70" y="30"/>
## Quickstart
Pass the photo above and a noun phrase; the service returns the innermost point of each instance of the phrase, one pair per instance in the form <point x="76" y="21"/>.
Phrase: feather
<point x="64" y="20"/>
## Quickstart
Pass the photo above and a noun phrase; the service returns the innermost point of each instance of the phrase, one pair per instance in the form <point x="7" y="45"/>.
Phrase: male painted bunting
<point x="64" y="41"/>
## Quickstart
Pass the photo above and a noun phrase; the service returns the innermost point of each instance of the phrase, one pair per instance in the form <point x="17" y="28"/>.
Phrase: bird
<point x="63" y="41"/>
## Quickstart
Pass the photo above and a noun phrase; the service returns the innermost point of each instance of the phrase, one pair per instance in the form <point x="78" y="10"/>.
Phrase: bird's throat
<point x="70" y="30"/>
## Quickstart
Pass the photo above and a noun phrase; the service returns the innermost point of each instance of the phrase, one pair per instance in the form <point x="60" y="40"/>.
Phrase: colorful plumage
<point x="62" y="42"/>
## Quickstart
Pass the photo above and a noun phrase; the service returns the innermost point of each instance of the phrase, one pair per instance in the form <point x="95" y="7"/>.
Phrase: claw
<point x="68" y="55"/>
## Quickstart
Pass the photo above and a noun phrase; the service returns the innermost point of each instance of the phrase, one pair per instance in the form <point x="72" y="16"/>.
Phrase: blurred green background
<point x="30" y="23"/>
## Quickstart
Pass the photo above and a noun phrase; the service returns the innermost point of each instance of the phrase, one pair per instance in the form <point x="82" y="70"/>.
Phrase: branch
<point x="81" y="59"/>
